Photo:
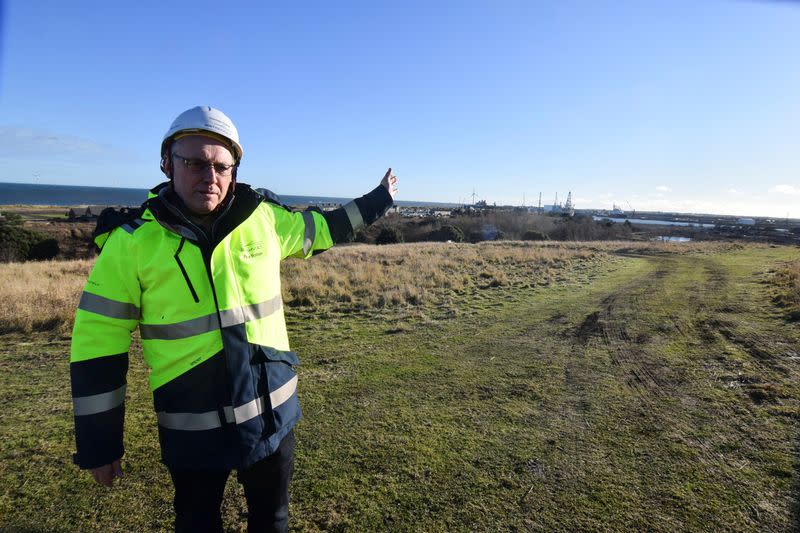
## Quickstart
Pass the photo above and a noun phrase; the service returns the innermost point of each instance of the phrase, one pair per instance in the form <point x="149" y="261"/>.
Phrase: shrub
<point x="389" y="235"/>
<point x="361" y="236"/>
<point x="44" y="250"/>
<point x="532" y="235"/>
<point x="475" y="236"/>
<point x="446" y="233"/>
<point x="16" y="241"/>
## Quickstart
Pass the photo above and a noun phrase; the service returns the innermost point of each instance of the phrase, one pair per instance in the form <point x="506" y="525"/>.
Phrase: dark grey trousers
<point x="198" y="494"/>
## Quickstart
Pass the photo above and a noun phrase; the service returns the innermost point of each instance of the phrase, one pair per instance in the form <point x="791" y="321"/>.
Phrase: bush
<point x="475" y="236"/>
<point x="586" y="229"/>
<point x="361" y="236"/>
<point x="446" y="233"/>
<point x="389" y="235"/>
<point x="532" y="235"/>
<point x="44" y="250"/>
<point x="16" y="242"/>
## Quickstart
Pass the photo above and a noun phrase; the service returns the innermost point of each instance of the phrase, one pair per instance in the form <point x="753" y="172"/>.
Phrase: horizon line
<point x="407" y="203"/>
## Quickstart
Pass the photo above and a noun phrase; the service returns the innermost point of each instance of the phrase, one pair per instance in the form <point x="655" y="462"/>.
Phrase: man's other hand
<point x="104" y="475"/>
<point x="390" y="182"/>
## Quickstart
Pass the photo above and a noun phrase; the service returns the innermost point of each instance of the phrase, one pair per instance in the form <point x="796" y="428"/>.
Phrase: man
<point x="197" y="269"/>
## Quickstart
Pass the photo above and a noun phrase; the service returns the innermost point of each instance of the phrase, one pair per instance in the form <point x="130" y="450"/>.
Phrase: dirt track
<point x="661" y="396"/>
<point x="680" y="399"/>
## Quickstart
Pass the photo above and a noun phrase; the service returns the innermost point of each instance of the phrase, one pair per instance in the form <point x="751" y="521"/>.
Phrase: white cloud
<point x="663" y="188"/>
<point x="33" y="143"/>
<point x="731" y="190"/>
<point x="739" y="206"/>
<point x="785" y="189"/>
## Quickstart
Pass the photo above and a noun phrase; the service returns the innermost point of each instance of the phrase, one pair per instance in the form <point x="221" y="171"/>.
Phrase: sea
<point x="74" y="196"/>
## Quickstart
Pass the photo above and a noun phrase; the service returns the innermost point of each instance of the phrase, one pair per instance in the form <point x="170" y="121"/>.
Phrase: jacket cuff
<point x="374" y="204"/>
<point x="87" y="462"/>
<point x="361" y="212"/>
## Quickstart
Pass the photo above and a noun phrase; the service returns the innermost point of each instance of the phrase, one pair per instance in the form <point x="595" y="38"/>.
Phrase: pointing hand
<point x="390" y="182"/>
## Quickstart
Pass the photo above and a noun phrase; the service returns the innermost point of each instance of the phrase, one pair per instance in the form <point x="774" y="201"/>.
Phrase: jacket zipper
<point x="183" y="271"/>
<point x="205" y="243"/>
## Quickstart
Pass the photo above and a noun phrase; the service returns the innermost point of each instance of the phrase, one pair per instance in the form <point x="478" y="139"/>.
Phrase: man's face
<point x="201" y="187"/>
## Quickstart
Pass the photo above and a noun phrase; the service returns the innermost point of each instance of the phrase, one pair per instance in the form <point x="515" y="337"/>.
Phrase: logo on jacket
<point x="251" y="250"/>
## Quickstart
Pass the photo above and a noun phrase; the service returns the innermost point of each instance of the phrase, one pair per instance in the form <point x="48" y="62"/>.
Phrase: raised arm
<point x="361" y="212"/>
<point x="304" y="233"/>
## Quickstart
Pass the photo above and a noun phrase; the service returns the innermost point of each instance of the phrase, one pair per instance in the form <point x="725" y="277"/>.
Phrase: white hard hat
<point x="204" y="120"/>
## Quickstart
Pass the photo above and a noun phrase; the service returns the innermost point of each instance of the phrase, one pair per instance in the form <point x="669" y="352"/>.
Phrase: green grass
<point x="640" y="392"/>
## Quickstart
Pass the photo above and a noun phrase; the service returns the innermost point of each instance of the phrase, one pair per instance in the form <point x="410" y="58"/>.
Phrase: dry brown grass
<point x="43" y="296"/>
<point x="363" y="276"/>
<point x="787" y="280"/>
<point x="366" y="277"/>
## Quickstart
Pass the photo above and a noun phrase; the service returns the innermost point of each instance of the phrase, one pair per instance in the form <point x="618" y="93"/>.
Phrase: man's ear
<point x="166" y="165"/>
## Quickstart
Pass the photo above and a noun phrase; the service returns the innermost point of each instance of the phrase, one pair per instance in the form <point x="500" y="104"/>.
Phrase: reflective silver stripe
<point x="101" y="305"/>
<point x="179" y="330"/>
<point x="252" y="409"/>
<point x="183" y="231"/>
<point x="98" y="403"/>
<point x="204" y="324"/>
<point x="189" y="421"/>
<point x="354" y="214"/>
<point x="133" y="225"/>
<point x="240" y="315"/>
<point x="243" y="413"/>
<point x="283" y="393"/>
<point x="310" y="233"/>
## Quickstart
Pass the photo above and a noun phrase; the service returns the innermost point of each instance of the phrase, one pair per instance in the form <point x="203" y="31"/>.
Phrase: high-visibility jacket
<point x="210" y="316"/>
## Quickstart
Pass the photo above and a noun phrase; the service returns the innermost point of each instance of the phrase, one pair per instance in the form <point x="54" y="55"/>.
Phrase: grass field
<point x="489" y="387"/>
<point x="36" y="212"/>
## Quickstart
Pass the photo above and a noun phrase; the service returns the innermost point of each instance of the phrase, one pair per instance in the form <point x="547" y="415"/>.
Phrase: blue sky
<point x="690" y="106"/>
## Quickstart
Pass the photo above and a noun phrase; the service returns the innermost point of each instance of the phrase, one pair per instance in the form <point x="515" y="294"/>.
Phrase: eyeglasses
<point x="200" y="166"/>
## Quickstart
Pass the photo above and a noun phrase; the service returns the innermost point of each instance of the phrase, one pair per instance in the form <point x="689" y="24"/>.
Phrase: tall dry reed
<point x="363" y="276"/>
<point x="787" y="280"/>
<point x="41" y="296"/>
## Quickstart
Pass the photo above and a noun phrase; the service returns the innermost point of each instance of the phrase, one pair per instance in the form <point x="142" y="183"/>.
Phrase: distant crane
<point x="569" y="209"/>
<point x="568" y="204"/>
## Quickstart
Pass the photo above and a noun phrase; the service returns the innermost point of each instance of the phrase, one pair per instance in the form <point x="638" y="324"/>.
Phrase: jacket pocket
<point x="278" y="387"/>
